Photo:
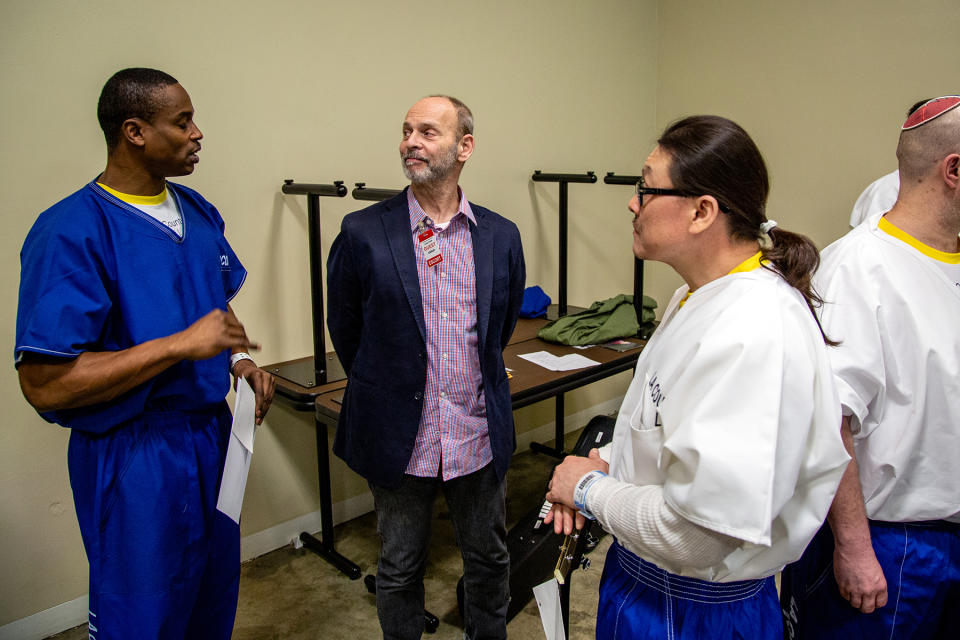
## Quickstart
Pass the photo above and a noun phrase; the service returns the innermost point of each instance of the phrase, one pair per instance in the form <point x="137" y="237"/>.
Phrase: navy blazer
<point x="375" y="317"/>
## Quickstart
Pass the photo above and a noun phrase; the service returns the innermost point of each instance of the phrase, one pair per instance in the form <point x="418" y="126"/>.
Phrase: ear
<point x="465" y="147"/>
<point x="132" y="130"/>
<point x="705" y="214"/>
<point x="950" y="170"/>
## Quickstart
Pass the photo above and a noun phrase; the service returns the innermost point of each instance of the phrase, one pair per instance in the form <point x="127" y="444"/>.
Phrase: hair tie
<point x="765" y="242"/>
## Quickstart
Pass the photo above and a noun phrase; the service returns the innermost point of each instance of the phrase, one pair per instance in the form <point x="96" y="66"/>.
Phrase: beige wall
<point x="822" y="86"/>
<point x="314" y="91"/>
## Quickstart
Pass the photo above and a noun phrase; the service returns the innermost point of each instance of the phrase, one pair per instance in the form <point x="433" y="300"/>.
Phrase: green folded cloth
<point x="604" y="321"/>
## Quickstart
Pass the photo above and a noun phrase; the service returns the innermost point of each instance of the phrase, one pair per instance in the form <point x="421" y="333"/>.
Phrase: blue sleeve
<point x="233" y="272"/>
<point x="231" y="269"/>
<point x="64" y="288"/>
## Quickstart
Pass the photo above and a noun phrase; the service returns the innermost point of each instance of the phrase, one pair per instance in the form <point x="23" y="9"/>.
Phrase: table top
<point x="302" y="397"/>
<point x="529" y="382"/>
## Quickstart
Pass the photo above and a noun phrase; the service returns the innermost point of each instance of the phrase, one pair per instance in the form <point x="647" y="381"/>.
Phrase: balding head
<point x="464" y="115"/>
<point x="921" y="149"/>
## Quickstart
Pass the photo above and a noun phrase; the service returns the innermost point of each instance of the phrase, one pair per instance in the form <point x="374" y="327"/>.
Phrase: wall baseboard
<point x="257" y="544"/>
<point x="70" y="614"/>
<point x="49" y="622"/>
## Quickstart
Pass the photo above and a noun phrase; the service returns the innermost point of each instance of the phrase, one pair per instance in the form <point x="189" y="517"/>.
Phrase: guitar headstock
<point x="568" y="552"/>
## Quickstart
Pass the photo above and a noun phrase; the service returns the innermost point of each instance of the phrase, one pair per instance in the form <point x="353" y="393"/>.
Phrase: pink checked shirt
<point x="453" y="439"/>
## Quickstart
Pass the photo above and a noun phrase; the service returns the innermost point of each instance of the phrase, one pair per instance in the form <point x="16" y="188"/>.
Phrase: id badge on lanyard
<point x="428" y="244"/>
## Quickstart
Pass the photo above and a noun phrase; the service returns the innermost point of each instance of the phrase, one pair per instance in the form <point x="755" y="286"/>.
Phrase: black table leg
<point x="557" y="450"/>
<point x="324" y="547"/>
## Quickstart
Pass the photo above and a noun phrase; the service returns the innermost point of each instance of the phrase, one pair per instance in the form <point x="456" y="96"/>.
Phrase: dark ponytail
<point x="714" y="156"/>
<point x="796" y="259"/>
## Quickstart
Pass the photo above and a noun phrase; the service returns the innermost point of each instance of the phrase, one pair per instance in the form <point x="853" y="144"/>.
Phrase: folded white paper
<point x="568" y="362"/>
<point x="551" y="615"/>
<point x="239" y="453"/>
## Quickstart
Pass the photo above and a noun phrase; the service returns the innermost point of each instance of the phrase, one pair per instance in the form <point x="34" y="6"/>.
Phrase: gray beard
<point x="434" y="171"/>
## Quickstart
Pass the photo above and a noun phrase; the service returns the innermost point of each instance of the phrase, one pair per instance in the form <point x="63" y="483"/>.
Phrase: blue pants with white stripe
<point x="640" y="601"/>
<point x="164" y="563"/>
<point x="921" y="563"/>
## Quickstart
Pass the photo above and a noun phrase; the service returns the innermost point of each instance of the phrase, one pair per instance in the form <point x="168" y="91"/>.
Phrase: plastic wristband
<point x="580" y="492"/>
<point x="237" y="357"/>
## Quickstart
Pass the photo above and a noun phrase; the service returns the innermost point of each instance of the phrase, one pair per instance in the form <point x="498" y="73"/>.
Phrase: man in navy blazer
<point x="424" y="292"/>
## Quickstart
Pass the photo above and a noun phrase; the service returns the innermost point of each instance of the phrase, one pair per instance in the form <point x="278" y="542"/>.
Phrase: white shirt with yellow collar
<point x="894" y="303"/>
<point x="731" y="428"/>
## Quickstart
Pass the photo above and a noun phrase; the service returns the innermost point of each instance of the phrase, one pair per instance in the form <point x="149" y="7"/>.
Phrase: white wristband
<point x="237" y="357"/>
<point x="581" y="489"/>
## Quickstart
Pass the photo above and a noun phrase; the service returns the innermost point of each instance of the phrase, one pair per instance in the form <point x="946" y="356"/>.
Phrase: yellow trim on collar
<point x="941" y="256"/>
<point x="160" y="198"/>
<point x="751" y="263"/>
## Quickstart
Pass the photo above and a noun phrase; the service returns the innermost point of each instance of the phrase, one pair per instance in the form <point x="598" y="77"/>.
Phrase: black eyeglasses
<point x="651" y="191"/>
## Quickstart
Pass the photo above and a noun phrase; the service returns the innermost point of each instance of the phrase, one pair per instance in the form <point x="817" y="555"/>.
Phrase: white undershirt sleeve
<point x="639" y="517"/>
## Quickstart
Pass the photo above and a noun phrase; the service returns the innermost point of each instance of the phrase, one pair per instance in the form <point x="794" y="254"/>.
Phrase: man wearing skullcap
<point x="888" y="564"/>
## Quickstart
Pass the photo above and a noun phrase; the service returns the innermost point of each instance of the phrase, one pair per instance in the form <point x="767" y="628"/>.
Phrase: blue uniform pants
<point x="640" y="601"/>
<point x="164" y="563"/>
<point x="921" y="563"/>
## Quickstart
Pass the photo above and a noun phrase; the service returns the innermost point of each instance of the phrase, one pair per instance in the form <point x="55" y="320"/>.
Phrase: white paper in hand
<point x="548" y="601"/>
<point x="239" y="453"/>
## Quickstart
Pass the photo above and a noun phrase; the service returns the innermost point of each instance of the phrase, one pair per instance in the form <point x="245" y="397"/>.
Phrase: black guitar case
<point x="533" y="546"/>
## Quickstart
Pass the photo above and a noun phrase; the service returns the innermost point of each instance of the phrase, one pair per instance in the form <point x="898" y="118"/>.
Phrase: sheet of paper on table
<point x="569" y="362"/>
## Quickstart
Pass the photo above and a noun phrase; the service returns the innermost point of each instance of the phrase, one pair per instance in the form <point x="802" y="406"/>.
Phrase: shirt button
<point x="443" y="274"/>
<point x="444" y="356"/>
<point x="443" y="394"/>
<point x="444" y="314"/>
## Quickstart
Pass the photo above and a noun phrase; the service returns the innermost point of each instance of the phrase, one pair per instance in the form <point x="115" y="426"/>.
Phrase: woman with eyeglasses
<point x="726" y="453"/>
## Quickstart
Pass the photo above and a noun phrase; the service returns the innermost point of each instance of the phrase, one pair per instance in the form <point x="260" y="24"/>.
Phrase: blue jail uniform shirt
<point x="98" y="274"/>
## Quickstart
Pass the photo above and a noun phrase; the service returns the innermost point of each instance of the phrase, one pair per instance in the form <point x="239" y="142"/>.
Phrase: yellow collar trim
<point x="160" y="198"/>
<point x="751" y="263"/>
<point x="941" y="256"/>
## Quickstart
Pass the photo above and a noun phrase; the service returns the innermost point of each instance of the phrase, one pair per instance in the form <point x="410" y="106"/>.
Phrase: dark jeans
<point x="478" y="513"/>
